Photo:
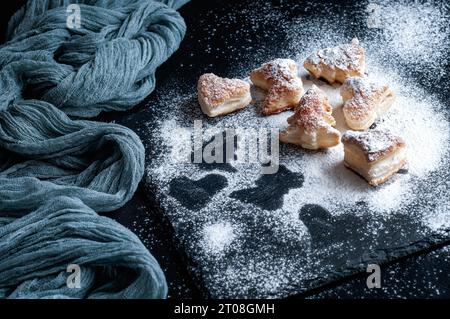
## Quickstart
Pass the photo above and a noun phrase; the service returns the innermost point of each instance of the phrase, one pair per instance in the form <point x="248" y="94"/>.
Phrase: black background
<point x="419" y="276"/>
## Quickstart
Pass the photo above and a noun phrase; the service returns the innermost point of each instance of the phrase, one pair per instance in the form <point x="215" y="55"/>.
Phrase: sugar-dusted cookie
<point x="364" y="101"/>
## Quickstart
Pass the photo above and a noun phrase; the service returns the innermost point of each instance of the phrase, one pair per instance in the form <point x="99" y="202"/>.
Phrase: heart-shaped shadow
<point x="196" y="194"/>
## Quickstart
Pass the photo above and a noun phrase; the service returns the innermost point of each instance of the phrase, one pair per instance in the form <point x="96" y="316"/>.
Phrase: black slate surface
<point x="324" y="228"/>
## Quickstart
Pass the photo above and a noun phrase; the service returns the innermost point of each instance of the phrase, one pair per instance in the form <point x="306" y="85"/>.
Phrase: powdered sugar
<point x="278" y="70"/>
<point x="216" y="90"/>
<point x="218" y="237"/>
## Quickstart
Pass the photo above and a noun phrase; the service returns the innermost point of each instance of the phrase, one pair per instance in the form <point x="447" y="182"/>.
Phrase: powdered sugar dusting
<point x="247" y="254"/>
<point x="361" y="85"/>
<point x="416" y="32"/>
<point x="278" y="71"/>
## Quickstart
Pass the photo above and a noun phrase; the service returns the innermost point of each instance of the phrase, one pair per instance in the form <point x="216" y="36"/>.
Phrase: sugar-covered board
<point x="248" y="234"/>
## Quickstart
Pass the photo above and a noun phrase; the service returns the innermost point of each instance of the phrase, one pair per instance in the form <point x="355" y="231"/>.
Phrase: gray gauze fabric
<point x="57" y="171"/>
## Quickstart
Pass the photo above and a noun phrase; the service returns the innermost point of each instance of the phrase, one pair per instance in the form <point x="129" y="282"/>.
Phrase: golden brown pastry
<point x="337" y="63"/>
<point x="311" y="126"/>
<point x="375" y="155"/>
<point x="364" y="101"/>
<point x="218" y="96"/>
<point x="284" y="88"/>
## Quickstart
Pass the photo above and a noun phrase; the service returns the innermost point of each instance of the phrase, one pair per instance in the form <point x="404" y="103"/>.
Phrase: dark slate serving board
<point x="263" y="250"/>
